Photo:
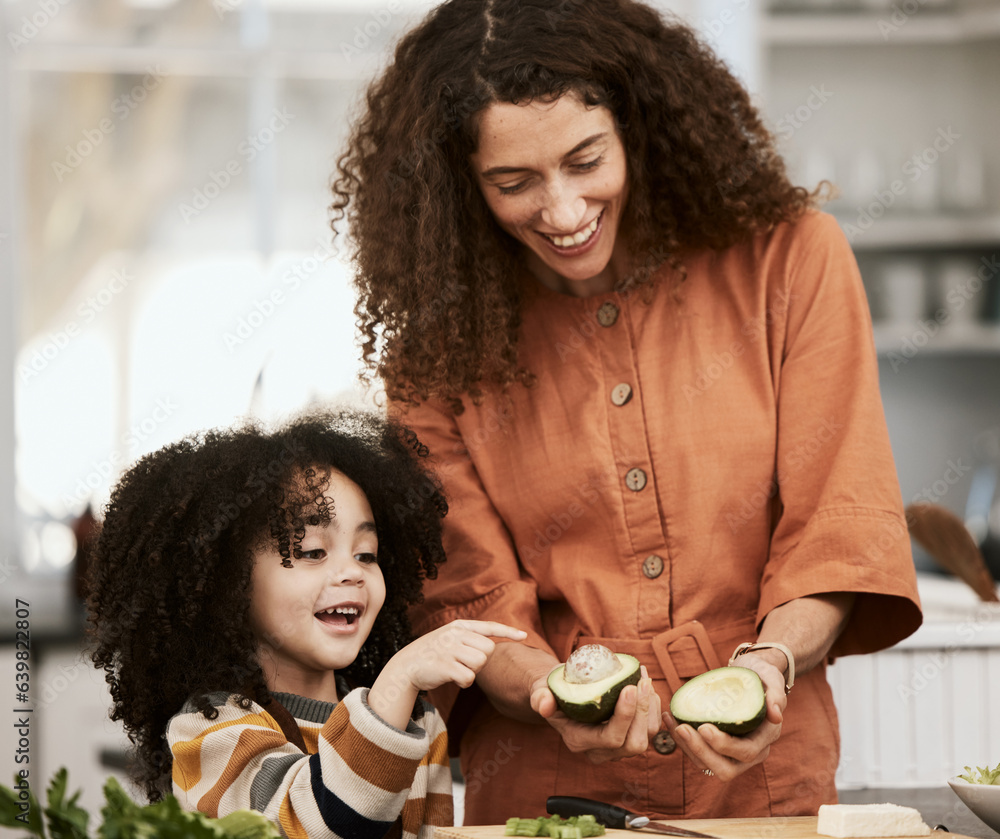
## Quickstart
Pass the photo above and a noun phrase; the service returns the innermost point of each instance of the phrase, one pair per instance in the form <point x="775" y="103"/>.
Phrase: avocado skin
<point x="596" y="711"/>
<point x="737" y="729"/>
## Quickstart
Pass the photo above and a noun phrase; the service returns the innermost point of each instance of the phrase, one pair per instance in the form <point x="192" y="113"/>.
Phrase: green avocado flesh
<point x="731" y="698"/>
<point x="593" y="702"/>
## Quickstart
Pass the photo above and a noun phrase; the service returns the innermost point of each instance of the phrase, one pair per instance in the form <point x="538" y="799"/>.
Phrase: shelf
<point x="924" y="26"/>
<point x="922" y="232"/>
<point x="909" y="340"/>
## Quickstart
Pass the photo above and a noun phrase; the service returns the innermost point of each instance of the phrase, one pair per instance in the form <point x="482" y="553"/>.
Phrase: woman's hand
<point x="455" y="652"/>
<point x="727" y="756"/>
<point x="516" y="682"/>
<point x="636" y="719"/>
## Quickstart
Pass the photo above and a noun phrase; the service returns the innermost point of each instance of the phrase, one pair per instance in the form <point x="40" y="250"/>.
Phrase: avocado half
<point x="593" y="702"/>
<point x="731" y="698"/>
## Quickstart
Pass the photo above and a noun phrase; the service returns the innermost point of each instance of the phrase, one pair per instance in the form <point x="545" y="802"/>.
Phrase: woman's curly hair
<point x="437" y="277"/>
<point x="170" y="586"/>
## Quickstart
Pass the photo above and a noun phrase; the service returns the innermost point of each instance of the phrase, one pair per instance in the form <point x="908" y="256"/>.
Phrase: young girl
<point x="249" y="601"/>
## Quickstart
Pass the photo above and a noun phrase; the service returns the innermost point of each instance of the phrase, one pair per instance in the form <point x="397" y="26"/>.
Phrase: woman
<point x="643" y="364"/>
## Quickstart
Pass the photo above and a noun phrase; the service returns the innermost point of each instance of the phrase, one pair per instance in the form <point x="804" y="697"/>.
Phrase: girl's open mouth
<point x="340" y="615"/>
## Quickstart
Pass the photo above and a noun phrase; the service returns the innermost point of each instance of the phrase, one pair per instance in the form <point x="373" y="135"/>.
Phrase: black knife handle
<point x="569" y="805"/>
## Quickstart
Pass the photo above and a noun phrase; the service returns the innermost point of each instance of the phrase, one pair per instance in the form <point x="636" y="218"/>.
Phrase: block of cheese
<point x="868" y="820"/>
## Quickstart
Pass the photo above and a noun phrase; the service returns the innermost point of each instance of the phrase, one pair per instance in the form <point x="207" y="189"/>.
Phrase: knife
<point x="611" y="816"/>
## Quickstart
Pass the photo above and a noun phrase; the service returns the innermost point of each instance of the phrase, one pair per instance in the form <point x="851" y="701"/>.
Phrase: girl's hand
<point x="455" y="652"/>
<point x="727" y="756"/>
<point x="636" y="719"/>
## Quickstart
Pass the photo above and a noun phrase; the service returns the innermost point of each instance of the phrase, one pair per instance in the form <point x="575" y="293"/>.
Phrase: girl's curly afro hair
<point x="169" y="592"/>
<point x="437" y="276"/>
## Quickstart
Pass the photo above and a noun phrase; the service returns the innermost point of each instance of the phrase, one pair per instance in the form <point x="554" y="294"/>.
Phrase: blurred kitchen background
<point x="166" y="266"/>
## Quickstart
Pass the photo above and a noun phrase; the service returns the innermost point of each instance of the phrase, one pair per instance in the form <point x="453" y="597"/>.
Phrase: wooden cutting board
<point x="799" y="827"/>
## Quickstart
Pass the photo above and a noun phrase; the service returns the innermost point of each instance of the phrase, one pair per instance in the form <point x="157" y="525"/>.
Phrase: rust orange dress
<point x="686" y="462"/>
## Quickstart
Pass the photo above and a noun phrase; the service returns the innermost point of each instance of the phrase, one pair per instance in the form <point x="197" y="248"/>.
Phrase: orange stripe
<point x="187" y="753"/>
<point x="290" y="823"/>
<point x="251" y="743"/>
<point x="440" y="809"/>
<point x="187" y="766"/>
<point x="310" y="736"/>
<point x="437" y="754"/>
<point x="437" y="809"/>
<point x="378" y="766"/>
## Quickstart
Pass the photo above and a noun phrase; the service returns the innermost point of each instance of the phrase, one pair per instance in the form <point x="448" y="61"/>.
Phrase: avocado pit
<point x="591" y="663"/>
<point x="587" y="686"/>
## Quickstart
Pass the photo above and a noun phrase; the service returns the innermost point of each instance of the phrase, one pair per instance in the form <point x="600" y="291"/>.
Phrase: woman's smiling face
<point x="555" y="176"/>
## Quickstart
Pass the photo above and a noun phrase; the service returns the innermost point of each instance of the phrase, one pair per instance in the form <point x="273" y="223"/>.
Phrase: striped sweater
<point x="359" y="777"/>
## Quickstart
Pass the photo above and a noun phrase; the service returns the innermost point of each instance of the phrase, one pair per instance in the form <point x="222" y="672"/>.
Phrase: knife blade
<point x="611" y="816"/>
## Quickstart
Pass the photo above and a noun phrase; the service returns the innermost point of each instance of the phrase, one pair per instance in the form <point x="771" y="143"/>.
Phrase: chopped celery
<point x="555" y="827"/>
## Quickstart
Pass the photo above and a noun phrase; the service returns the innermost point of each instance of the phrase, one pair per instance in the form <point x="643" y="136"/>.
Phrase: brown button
<point x="635" y="479"/>
<point x="652" y="566"/>
<point x="621" y="393"/>
<point x="664" y="743"/>
<point x="607" y="314"/>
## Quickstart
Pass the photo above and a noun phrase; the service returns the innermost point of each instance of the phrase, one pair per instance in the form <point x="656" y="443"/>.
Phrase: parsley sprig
<point x="122" y="818"/>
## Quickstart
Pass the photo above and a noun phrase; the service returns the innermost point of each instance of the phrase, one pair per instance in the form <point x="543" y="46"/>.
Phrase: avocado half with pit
<point x="586" y="687"/>
<point x="731" y="698"/>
